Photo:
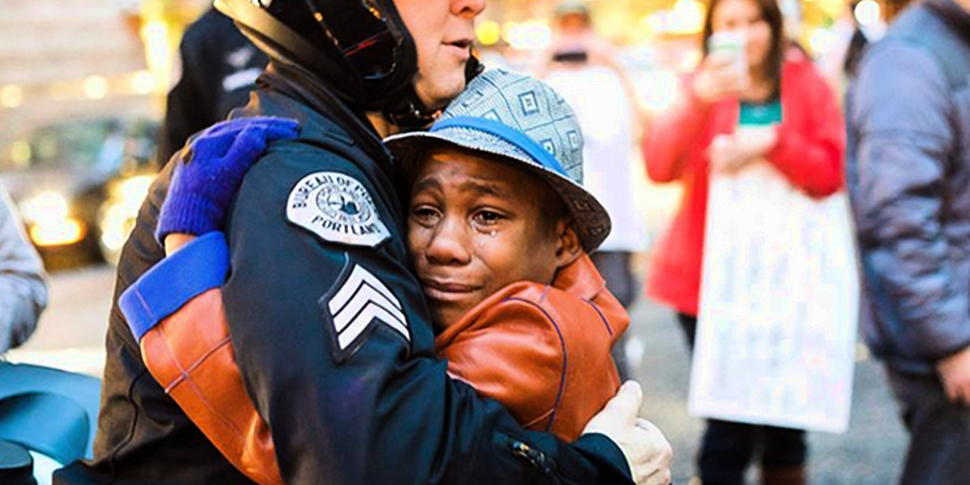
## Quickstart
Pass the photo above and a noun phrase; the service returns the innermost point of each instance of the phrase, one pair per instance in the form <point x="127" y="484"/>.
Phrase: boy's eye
<point x="487" y="218"/>
<point x="425" y="215"/>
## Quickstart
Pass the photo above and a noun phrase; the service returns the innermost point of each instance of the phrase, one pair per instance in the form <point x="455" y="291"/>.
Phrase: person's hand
<point x="204" y="184"/>
<point x="955" y="374"/>
<point x="647" y="451"/>
<point x="724" y="155"/>
<point x="718" y="77"/>
<point x="731" y="153"/>
<point x="756" y="141"/>
<point x="602" y="53"/>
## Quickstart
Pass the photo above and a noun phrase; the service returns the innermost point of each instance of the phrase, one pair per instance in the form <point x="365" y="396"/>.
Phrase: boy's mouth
<point x="447" y="291"/>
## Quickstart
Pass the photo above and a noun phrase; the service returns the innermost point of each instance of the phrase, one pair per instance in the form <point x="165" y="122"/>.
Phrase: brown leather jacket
<point x="542" y="351"/>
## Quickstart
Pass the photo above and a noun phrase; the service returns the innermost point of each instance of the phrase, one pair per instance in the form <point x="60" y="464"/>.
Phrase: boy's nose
<point x="449" y="244"/>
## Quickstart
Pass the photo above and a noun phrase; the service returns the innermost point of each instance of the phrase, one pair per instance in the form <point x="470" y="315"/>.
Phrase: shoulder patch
<point x="356" y="304"/>
<point x="337" y="208"/>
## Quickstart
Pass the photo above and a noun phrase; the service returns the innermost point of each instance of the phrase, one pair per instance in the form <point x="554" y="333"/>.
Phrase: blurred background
<point x="83" y="89"/>
<point x="83" y="86"/>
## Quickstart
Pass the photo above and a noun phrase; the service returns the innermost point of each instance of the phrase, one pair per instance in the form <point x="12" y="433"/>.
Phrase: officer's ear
<point x="568" y="247"/>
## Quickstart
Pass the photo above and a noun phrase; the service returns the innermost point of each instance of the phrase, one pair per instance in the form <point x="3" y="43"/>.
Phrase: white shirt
<point x="605" y="115"/>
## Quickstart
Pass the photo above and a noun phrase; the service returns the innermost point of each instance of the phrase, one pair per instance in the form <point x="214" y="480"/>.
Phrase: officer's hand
<point x="204" y="184"/>
<point x="646" y="449"/>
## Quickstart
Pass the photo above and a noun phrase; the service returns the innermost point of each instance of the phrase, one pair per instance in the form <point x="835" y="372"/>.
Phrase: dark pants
<point x="727" y="447"/>
<point x="614" y="267"/>
<point x="939" y="449"/>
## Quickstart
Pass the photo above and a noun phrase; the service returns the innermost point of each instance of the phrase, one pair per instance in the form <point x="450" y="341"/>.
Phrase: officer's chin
<point x="436" y="93"/>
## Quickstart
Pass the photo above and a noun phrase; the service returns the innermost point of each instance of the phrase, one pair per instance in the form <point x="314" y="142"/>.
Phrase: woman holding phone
<point x="753" y="99"/>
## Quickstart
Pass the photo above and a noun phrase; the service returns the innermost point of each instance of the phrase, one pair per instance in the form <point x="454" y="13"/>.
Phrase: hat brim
<point x="592" y="221"/>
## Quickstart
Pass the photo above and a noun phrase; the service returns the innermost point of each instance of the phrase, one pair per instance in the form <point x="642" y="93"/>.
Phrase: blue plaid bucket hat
<point x="521" y="119"/>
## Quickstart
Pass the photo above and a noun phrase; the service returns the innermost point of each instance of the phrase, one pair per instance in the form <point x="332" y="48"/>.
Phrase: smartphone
<point x="573" y="57"/>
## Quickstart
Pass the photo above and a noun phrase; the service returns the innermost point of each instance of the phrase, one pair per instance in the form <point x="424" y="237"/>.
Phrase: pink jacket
<point x="810" y="153"/>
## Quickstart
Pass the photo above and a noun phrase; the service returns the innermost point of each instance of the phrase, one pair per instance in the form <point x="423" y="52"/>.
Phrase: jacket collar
<point x="302" y="86"/>
<point x="580" y="279"/>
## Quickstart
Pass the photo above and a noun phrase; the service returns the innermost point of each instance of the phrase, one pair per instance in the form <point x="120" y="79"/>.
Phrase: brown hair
<point x="892" y="8"/>
<point x="771" y="13"/>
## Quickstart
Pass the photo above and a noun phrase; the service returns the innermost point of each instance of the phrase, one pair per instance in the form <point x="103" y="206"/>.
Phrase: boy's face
<point x="477" y="225"/>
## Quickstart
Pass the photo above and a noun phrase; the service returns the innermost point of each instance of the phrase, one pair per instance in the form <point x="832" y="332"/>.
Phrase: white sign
<point x="779" y="305"/>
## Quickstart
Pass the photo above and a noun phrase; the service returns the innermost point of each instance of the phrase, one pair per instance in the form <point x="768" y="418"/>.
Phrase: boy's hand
<point x="647" y="451"/>
<point x="203" y="186"/>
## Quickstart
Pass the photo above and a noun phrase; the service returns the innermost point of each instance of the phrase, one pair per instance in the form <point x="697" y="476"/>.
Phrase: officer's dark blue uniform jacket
<point x="378" y="411"/>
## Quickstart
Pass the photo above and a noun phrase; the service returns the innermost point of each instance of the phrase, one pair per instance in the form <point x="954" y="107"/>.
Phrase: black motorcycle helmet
<point x="360" y="47"/>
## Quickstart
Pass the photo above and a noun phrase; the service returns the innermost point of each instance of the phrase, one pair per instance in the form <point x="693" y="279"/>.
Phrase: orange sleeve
<point x="190" y="355"/>
<point x="514" y="355"/>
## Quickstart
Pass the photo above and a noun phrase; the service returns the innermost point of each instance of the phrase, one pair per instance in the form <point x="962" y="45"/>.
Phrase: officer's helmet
<point x="361" y="47"/>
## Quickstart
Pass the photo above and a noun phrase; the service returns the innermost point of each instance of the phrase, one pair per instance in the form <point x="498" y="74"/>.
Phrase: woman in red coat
<point x="798" y="129"/>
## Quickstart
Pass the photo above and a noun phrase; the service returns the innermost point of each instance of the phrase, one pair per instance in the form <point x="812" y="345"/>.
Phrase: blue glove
<point x="204" y="184"/>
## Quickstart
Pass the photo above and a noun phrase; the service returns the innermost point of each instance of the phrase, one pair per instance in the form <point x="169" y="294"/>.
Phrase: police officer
<point x="219" y="69"/>
<point x="331" y="330"/>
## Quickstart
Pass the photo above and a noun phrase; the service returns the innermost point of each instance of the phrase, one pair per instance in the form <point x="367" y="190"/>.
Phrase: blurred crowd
<point x="901" y="158"/>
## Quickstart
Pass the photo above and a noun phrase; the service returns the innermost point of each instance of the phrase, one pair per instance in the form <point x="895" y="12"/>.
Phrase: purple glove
<point x="204" y="184"/>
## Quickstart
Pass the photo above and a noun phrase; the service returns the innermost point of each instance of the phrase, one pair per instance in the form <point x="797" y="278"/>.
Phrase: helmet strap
<point x="410" y="114"/>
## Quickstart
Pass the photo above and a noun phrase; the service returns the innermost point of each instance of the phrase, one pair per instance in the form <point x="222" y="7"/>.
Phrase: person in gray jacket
<point x="909" y="180"/>
<point x="23" y="291"/>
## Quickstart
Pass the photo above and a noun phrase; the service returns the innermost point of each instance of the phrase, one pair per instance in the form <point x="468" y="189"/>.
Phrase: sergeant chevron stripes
<point x="362" y="299"/>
